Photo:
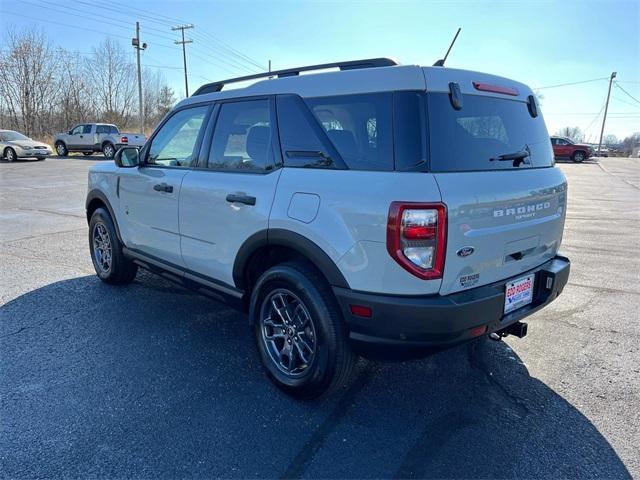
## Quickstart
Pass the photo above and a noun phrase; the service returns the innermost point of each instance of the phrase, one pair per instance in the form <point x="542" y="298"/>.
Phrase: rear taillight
<point x="416" y="237"/>
<point x="124" y="139"/>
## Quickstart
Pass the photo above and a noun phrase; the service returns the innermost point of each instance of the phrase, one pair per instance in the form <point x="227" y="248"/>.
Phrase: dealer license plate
<point x="518" y="293"/>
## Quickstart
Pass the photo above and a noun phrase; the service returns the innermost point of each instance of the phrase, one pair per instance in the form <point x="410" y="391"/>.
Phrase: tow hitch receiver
<point x="518" y="329"/>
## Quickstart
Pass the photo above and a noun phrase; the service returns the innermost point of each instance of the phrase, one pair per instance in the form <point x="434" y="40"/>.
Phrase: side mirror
<point x="127" y="157"/>
<point x="69" y="133"/>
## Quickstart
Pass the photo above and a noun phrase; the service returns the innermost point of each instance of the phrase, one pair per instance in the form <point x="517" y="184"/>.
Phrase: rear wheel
<point x="301" y="336"/>
<point x="108" y="150"/>
<point x="578" y="157"/>
<point x="61" y="149"/>
<point x="106" y="251"/>
<point x="10" y="153"/>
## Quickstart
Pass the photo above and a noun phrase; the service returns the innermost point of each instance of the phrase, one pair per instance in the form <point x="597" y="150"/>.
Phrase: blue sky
<point x="541" y="43"/>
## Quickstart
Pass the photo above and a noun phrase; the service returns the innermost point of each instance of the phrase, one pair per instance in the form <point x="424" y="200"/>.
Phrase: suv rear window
<point x="485" y="128"/>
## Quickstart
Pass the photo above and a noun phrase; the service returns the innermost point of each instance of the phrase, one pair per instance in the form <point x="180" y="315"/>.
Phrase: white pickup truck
<point x="89" y="138"/>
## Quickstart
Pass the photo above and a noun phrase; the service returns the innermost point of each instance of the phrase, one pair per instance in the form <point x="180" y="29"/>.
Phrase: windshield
<point x="487" y="133"/>
<point x="11" y="136"/>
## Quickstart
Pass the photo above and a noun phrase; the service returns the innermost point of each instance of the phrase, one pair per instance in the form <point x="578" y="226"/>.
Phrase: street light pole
<point x="606" y="107"/>
<point x="136" y="44"/>
<point x="184" y="53"/>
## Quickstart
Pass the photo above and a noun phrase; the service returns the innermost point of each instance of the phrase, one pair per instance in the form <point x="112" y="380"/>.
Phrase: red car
<point x="564" y="147"/>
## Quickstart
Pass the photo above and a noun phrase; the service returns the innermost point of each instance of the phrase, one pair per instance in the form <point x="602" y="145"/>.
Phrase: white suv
<point x="378" y="207"/>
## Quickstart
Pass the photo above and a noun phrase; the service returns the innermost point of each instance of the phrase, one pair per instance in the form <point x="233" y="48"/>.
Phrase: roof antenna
<point x="440" y="63"/>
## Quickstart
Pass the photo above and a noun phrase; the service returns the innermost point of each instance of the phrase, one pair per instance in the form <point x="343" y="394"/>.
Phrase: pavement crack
<point x="477" y="362"/>
<point x="21" y="329"/>
<point x="298" y="465"/>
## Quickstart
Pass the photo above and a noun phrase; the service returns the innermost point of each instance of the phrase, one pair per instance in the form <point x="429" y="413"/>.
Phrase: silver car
<point x="14" y="145"/>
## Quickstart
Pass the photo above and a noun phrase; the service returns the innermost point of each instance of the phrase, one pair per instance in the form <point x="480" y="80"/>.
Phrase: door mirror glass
<point x="127" y="157"/>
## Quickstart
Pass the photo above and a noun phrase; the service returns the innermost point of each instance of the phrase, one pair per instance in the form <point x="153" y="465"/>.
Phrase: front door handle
<point x="163" y="187"/>
<point x="246" y="199"/>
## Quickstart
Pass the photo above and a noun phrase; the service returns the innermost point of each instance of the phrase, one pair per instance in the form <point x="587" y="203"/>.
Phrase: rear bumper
<point x="437" y="322"/>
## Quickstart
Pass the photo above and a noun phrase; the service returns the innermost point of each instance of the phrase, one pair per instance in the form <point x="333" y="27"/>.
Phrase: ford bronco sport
<point x="381" y="205"/>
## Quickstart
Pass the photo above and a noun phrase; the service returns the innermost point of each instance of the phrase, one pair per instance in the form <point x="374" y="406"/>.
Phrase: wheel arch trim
<point x="293" y="241"/>
<point x="96" y="194"/>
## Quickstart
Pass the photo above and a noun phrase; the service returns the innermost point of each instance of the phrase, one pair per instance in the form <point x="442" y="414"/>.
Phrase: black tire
<point x="108" y="150"/>
<point x="579" y="156"/>
<point x="61" y="149"/>
<point x="330" y="364"/>
<point x="86" y="154"/>
<point x="10" y="154"/>
<point x="119" y="270"/>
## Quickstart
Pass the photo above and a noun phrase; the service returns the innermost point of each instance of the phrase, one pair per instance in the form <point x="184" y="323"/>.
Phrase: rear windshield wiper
<point x="517" y="157"/>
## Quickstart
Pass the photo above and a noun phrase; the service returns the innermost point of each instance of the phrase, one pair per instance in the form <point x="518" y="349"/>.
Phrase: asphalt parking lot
<point x="152" y="381"/>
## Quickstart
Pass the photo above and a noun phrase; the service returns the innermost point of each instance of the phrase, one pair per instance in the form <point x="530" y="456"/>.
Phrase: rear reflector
<point x="361" y="311"/>
<point x="124" y="139"/>
<point x="477" y="331"/>
<point x="486" y="87"/>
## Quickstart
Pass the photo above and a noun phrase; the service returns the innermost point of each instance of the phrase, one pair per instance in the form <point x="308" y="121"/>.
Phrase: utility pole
<point x="184" y="52"/>
<point x="606" y="107"/>
<point x="136" y="44"/>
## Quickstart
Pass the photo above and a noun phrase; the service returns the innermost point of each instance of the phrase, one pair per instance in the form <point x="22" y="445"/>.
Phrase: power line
<point x="626" y="102"/>
<point x="628" y="94"/>
<point x="226" y="50"/>
<point x="572" y="83"/>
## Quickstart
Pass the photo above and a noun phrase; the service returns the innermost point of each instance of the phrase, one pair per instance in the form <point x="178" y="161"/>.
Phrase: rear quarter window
<point x="360" y="128"/>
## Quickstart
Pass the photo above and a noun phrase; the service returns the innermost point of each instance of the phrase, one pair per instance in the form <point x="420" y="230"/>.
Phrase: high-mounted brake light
<point x="124" y="139"/>
<point x="416" y="237"/>
<point x="486" y="87"/>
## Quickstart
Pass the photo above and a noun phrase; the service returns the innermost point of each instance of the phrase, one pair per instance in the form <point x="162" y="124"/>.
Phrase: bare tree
<point x="112" y="81"/>
<point x="610" y="139"/>
<point x="574" y="133"/>
<point x="27" y="81"/>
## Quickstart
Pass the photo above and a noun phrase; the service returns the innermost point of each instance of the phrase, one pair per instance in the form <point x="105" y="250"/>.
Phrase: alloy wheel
<point x="102" y="248"/>
<point x="287" y="332"/>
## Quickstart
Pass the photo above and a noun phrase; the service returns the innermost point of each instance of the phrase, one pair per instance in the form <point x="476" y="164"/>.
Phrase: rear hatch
<point x="493" y="162"/>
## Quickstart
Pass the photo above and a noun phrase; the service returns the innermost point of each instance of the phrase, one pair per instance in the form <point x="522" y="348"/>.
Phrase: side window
<point x="359" y="126"/>
<point x="77" y="130"/>
<point x="113" y="130"/>
<point x="86" y="129"/>
<point x="553" y="141"/>
<point x="301" y="146"/>
<point x="102" y="129"/>
<point x="175" y="143"/>
<point x="242" y="137"/>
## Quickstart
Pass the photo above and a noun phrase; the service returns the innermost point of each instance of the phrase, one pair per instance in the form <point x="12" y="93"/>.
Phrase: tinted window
<point x="175" y="143"/>
<point x="86" y="129"/>
<point x="102" y="129"/>
<point x="113" y="129"/>
<point x="242" y="137"/>
<point x="410" y="131"/>
<point x="485" y="128"/>
<point x="77" y="130"/>
<point x="301" y="144"/>
<point x="359" y="126"/>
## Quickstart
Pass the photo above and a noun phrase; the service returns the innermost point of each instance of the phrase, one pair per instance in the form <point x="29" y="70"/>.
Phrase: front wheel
<point x="61" y="149"/>
<point x="106" y="251"/>
<point x="10" y="153"/>
<point x="578" y="157"/>
<point x="301" y="336"/>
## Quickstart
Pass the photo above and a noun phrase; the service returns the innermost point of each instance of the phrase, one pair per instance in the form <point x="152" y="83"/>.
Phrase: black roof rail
<point x="291" y="72"/>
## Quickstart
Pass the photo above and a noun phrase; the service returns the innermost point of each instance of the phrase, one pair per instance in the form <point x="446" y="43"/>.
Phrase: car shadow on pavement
<point x="151" y="380"/>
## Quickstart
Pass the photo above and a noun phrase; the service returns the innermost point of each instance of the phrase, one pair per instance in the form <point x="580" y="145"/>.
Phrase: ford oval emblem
<point x="465" y="251"/>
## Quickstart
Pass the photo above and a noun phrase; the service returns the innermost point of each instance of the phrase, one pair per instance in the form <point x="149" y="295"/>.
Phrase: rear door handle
<point x="163" y="187"/>
<point x="246" y="199"/>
